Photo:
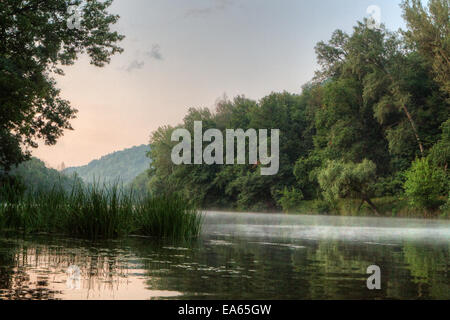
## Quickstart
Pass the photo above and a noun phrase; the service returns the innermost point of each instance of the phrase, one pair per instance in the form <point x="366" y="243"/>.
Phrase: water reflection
<point x="239" y="256"/>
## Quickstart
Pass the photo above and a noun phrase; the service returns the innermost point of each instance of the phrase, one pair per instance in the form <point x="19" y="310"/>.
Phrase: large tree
<point x="395" y="81"/>
<point x="429" y="32"/>
<point x="37" y="38"/>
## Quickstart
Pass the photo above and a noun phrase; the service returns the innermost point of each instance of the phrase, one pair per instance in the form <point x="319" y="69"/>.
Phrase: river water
<point x="238" y="256"/>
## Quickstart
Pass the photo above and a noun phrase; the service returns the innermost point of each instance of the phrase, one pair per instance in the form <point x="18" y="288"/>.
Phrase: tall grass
<point x="169" y="216"/>
<point x="99" y="212"/>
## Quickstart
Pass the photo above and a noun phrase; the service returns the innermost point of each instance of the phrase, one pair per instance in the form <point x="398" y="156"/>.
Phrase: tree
<point x="36" y="39"/>
<point x="346" y="128"/>
<point x="376" y="58"/>
<point x="429" y="31"/>
<point x="349" y="180"/>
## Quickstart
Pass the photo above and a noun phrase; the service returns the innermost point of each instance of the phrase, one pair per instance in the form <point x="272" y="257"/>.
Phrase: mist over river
<point x="238" y="256"/>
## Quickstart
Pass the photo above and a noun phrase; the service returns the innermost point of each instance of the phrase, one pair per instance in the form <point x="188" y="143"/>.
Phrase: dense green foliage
<point x="120" y="166"/>
<point x="379" y="101"/>
<point x="429" y="32"/>
<point x="36" y="41"/>
<point x="99" y="212"/>
<point x="241" y="184"/>
<point x="425" y="183"/>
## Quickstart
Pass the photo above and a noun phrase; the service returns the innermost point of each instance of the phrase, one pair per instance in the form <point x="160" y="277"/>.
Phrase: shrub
<point x="325" y="207"/>
<point x="290" y="198"/>
<point x="424" y="184"/>
<point x="445" y="208"/>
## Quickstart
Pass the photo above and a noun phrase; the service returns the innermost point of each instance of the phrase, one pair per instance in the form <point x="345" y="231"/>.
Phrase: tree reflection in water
<point x="221" y="267"/>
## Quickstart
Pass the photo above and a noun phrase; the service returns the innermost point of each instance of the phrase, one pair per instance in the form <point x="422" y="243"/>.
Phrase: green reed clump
<point x="99" y="212"/>
<point x="168" y="216"/>
<point x="96" y="212"/>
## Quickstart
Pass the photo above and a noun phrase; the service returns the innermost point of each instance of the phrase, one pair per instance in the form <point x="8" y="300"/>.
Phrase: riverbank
<point x="387" y="207"/>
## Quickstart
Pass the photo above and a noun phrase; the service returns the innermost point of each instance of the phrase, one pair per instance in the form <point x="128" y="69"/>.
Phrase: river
<point x="238" y="256"/>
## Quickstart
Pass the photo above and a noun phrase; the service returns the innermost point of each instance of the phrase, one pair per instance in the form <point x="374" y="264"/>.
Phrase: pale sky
<point x="188" y="53"/>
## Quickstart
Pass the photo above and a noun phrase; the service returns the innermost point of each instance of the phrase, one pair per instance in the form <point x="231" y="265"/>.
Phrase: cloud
<point x="135" y="65"/>
<point x="218" y="5"/>
<point x="155" y="53"/>
<point x="140" y="60"/>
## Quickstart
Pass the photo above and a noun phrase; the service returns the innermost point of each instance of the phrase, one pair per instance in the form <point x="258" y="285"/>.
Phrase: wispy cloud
<point x="155" y="53"/>
<point x="135" y="65"/>
<point x="217" y="6"/>
<point x="139" y="61"/>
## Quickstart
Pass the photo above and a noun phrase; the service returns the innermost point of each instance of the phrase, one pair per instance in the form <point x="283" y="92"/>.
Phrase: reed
<point x="99" y="212"/>
<point x="168" y="216"/>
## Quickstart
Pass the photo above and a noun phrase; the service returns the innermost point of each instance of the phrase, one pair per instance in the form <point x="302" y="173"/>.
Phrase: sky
<point x="189" y="53"/>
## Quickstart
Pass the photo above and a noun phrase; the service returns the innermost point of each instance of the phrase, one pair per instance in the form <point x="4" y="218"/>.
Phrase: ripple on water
<point x="220" y="243"/>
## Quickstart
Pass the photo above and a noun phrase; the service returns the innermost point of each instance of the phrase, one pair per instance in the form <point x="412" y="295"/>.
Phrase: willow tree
<point x="37" y="38"/>
<point x="341" y="179"/>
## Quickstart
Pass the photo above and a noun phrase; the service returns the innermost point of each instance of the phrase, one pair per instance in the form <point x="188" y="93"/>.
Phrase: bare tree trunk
<point x="359" y="208"/>
<point x="405" y="110"/>
<point x="413" y="125"/>
<point x="372" y="206"/>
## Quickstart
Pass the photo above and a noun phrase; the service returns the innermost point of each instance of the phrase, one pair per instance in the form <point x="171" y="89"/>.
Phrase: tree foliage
<point x="36" y="41"/>
<point x="429" y="32"/>
<point x="377" y="103"/>
<point x="425" y="183"/>
<point x="341" y="179"/>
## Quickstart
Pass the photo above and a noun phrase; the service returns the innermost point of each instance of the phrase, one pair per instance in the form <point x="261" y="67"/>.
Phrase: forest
<point x="370" y="133"/>
<point x="34" y="176"/>
<point x="120" y="166"/>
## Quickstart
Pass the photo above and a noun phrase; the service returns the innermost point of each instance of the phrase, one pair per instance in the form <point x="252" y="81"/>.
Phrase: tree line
<point x="373" y="122"/>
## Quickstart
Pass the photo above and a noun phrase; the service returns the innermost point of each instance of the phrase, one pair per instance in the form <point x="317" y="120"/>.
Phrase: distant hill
<point x="121" y="166"/>
<point x="37" y="177"/>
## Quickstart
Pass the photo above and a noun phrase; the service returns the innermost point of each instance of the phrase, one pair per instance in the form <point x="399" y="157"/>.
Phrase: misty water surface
<point x="238" y="256"/>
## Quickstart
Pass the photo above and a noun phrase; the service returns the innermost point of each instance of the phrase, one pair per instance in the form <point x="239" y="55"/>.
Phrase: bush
<point x="290" y="199"/>
<point x="389" y="186"/>
<point x="424" y="184"/>
<point x="325" y="207"/>
<point x="445" y="208"/>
